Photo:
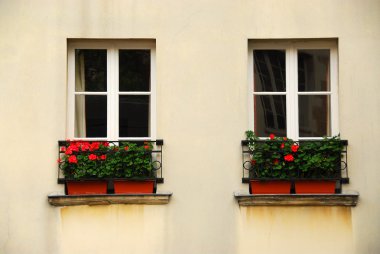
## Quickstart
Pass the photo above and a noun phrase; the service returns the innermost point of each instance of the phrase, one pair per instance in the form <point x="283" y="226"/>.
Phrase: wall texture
<point x="201" y="106"/>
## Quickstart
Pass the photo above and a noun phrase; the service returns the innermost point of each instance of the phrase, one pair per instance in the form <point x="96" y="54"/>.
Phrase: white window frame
<point x="291" y="62"/>
<point x="112" y="93"/>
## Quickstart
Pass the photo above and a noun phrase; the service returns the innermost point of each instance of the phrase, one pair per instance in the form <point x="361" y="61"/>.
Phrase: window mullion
<point x="115" y="97"/>
<point x="111" y="80"/>
<point x="291" y="106"/>
<point x="296" y="127"/>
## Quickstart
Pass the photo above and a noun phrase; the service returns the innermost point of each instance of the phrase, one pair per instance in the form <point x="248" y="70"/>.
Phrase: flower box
<point x="104" y="161"/>
<point x="314" y="165"/>
<point x="134" y="186"/>
<point x="86" y="187"/>
<point x="269" y="187"/>
<point x="315" y="187"/>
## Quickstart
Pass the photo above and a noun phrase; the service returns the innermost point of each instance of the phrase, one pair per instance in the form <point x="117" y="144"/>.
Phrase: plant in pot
<point x="272" y="164"/>
<point x="87" y="167"/>
<point x="313" y="165"/>
<point x="133" y="168"/>
<point x="318" y="163"/>
<point x="84" y="165"/>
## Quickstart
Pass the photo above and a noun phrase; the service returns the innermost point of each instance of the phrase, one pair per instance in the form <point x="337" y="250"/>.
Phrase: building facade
<point x="198" y="60"/>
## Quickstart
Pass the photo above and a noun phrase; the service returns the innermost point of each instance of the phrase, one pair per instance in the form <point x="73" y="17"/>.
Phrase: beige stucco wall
<point x="295" y="230"/>
<point x="201" y="114"/>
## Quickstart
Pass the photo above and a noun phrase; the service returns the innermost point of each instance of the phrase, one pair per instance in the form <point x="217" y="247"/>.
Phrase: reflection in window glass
<point x="134" y="70"/>
<point x="90" y="70"/>
<point x="314" y="115"/>
<point x="133" y="115"/>
<point x="269" y="70"/>
<point x="314" y="70"/>
<point x="270" y="115"/>
<point x="90" y="116"/>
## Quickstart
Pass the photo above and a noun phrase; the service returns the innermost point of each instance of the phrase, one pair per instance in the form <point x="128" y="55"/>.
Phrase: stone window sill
<point x="109" y="199"/>
<point x="344" y="199"/>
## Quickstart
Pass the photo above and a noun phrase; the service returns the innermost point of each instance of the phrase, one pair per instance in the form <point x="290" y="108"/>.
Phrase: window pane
<point x="270" y="115"/>
<point x="90" y="116"/>
<point x="269" y="70"/>
<point x="90" y="70"/>
<point x="314" y="70"/>
<point x="314" y="115"/>
<point x="134" y="116"/>
<point x="134" y="70"/>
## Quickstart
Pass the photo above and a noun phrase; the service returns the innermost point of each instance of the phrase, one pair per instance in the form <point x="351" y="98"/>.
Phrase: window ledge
<point x="110" y="199"/>
<point x="344" y="199"/>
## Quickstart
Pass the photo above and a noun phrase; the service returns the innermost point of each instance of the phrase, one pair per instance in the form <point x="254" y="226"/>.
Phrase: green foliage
<point x="101" y="160"/>
<point x="283" y="158"/>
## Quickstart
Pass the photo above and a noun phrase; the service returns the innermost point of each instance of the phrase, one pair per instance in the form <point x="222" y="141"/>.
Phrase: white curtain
<point x="80" y="103"/>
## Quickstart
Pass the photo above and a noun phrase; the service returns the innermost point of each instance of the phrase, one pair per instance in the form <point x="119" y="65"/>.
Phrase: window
<point x="293" y="88"/>
<point x="111" y="89"/>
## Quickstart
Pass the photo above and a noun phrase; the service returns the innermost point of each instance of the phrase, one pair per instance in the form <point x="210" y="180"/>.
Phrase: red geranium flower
<point x="73" y="159"/>
<point x="102" y="157"/>
<point x="59" y="160"/>
<point x="63" y="149"/>
<point x="272" y="136"/>
<point x="282" y="146"/>
<point x="74" y="147"/>
<point x="285" y="138"/>
<point x="146" y="147"/>
<point x="253" y="162"/>
<point x="126" y="148"/>
<point x="106" y="144"/>
<point x="69" y="151"/>
<point x="94" y="146"/>
<point x="295" y="148"/>
<point x="85" y="146"/>
<point x="289" y="157"/>
<point x="92" y="157"/>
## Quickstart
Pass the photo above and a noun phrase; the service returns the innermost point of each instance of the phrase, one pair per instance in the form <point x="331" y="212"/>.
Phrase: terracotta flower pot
<point x="86" y="187"/>
<point x="133" y="186"/>
<point x="315" y="187"/>
<point x="269" y="187"/>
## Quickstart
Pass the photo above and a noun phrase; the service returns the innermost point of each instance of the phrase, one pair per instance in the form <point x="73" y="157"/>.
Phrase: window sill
<point x="343" y="199"/>
<point x="109" y="199"/>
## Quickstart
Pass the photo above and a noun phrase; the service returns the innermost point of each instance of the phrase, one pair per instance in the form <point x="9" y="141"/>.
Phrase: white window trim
<point x="112" y="47"/>
<point x="291" y="47"/>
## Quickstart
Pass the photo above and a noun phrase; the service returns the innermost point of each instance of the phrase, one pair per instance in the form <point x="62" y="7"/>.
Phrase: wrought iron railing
<point x="274" y="165"/>
<point x="153" y="155"/>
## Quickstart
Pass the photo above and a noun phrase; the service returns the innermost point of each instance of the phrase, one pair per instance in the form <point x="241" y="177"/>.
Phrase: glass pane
<point x="314" y="115"/>
<point x="269" y="70"/>
<point x="314" y="70"/>
<point x="270" y="115"/>
<point x="134" y="115"/>
<point x="90" y="116"/>
<point x="134" y="70"/>
<point x="90" y="70"/>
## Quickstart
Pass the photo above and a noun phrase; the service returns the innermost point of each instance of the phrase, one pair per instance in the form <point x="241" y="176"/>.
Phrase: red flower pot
<point x="134" y="187"/>
<point x="269" y="187"/>
<point x="86" y="187"/>
<point x="317" y="187"/>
